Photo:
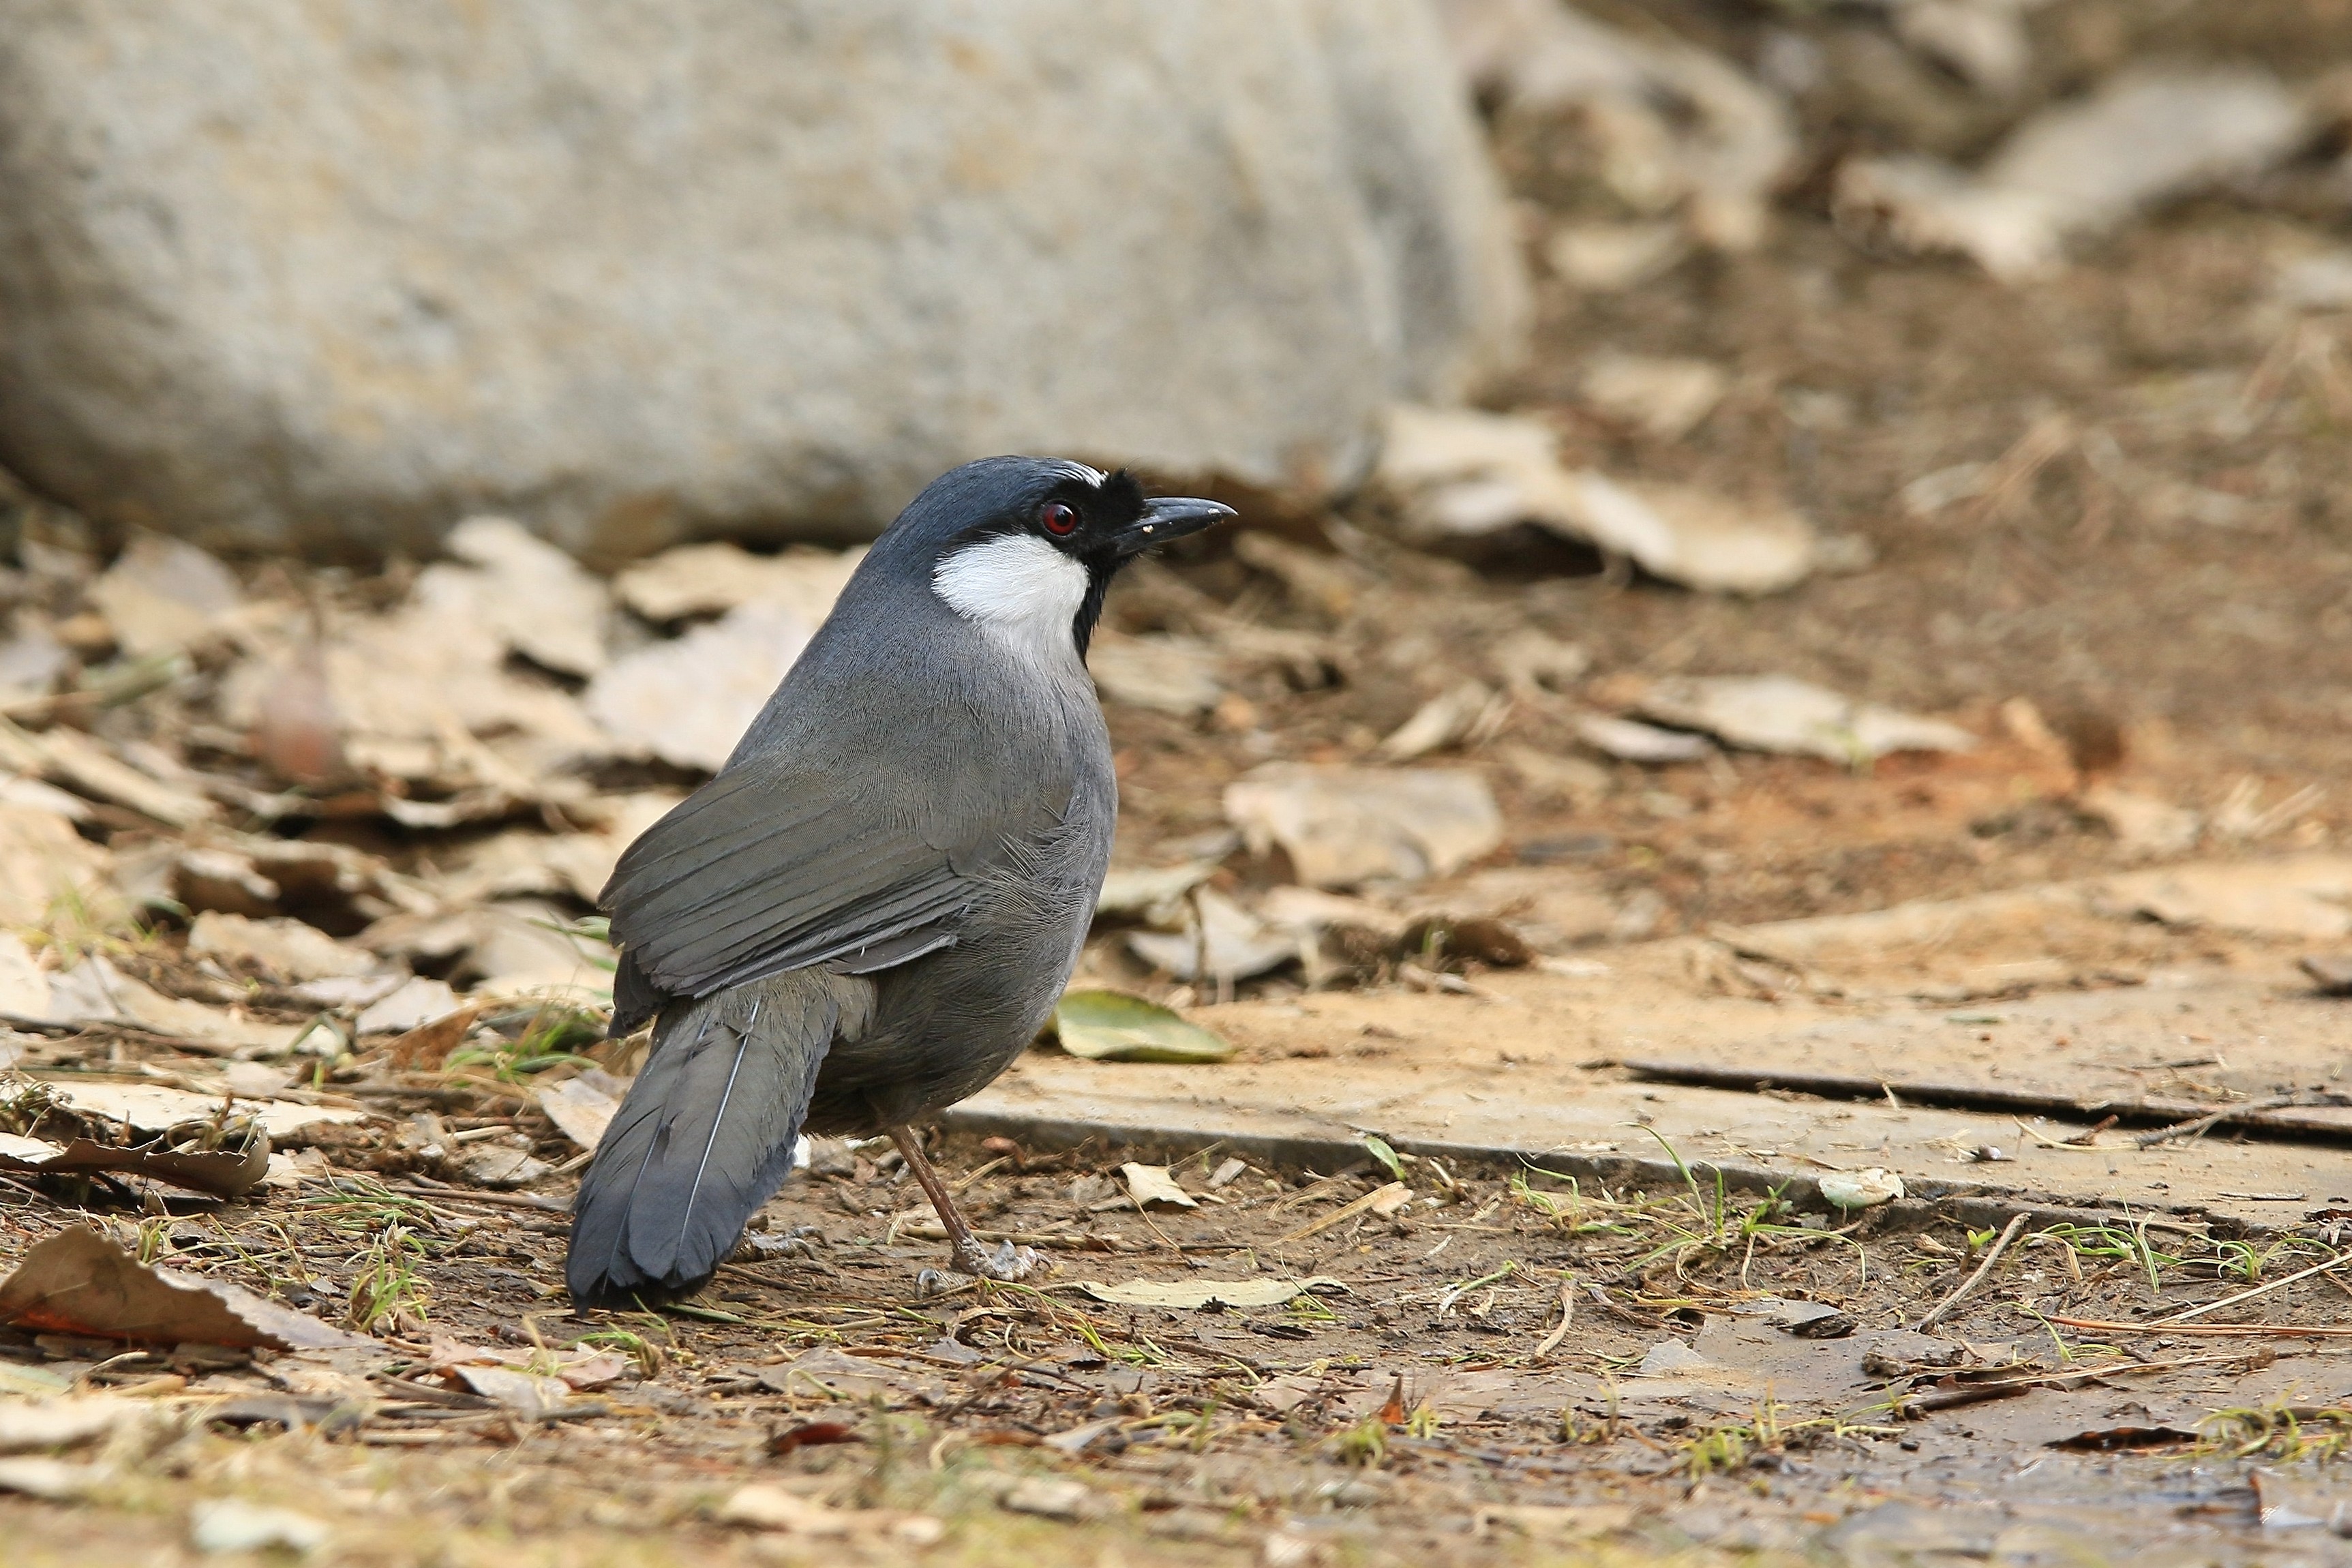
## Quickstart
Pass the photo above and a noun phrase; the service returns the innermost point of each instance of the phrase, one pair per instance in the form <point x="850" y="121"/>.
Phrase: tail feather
<point x="705" y="1134"/>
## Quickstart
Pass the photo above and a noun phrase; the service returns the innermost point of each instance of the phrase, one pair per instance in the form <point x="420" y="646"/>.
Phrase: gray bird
<point x="873" y="907"/>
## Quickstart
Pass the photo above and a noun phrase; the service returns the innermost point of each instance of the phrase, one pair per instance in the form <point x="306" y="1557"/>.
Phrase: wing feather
<point x="775" y="866"/>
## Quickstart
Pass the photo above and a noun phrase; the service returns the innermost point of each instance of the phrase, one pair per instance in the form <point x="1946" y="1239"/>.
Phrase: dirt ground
<point x="1424" y="1401"/>
<point x="1610" y="1357"/>
<point x="2181" y="656"/>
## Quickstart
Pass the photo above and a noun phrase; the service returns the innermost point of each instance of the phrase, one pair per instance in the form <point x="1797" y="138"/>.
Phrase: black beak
<point x="1169" y="517"/>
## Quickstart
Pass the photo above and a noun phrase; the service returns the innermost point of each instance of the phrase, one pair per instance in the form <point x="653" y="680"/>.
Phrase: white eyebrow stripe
<point x="1080" y="472"/>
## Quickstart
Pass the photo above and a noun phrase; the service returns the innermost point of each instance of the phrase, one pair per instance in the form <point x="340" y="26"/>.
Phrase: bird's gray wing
<point x="773" y="868"/>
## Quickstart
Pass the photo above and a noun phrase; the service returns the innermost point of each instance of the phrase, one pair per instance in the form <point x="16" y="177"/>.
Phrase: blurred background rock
<point x="277" y="276"/>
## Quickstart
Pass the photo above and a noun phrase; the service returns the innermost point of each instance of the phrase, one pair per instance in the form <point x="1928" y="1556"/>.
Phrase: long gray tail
<point x="705" y="1134"/>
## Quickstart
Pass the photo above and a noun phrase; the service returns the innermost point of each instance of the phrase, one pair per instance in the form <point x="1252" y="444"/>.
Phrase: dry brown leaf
<point x="1164" y="671"/>
<point x="689" y="700"/>
<point x="285" y="950"/>
<point x="44" y="863"/>
<point x="158" y="1108"/>
<point x="1150" y="1184"/>
<point x="78" y="1282"/>
<point x="710" y="579"/>
<point x="28" y="1426"/>
<point x="163" y="593"/>
<point x="1781" y="713"/>
<point x="535" y="597"/>
<point x="762" y="1507"/>
<point x="52" y="1480"/>
<point x="415" y="1005"/>
<point x="521" y="1391"/>
<point x="584" y="1105"/>
<point x="1233" y="942"/>
<point x="24" y="988"/>
<point x="94" y="991"/>
<point x="224" y="1173"/>
<point x="1344" y="825"/>
<point x="425" y="1048"/>
<point x="1192" y="1295"/>
<point x="82" y="763"/>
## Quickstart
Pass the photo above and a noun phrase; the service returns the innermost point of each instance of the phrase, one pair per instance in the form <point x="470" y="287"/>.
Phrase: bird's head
<point x="1026" y="547"/>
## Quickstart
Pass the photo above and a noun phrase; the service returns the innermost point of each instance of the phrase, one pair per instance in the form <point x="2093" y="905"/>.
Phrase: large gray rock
<point x="275" y="273"/>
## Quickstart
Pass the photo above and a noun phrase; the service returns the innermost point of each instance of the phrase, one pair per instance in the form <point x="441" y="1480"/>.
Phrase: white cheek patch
<point x="1018" y="585"/>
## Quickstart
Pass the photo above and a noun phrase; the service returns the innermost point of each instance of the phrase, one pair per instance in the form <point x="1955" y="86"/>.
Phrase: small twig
<point x="1314" y="1190"/>
<point x="2198" y="1125"/>
<point x="1958" y="1394"/>
<point x="2116" y="1369"/>
<point x="2084" y="1138"/>
<point x="1954" y="1398"/>
<point x="1633" y="1315"/>
<point x="495" y="1200"/>
<point x="2066" y="1146"/>
<point x="437" y="1095"/>
<point x="2338" y="1261"/>
<point x="2249" y="1361"/>
<point x="930" y="1230"/>
<point x="1992" y="1255"/>
<point x="2275" y="1331"/>
<point x="1345" y="1211"/>
<point x="1567" y="1316"/>
<point x="976" y="1176"/>
<point x="2008" y="479"/>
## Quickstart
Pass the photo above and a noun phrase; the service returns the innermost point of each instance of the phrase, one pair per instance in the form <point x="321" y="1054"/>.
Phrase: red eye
<point x="1059" y="518"/>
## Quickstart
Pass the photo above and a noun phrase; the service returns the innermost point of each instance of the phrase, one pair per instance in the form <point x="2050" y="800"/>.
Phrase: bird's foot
<point x="1007" y="1264"/>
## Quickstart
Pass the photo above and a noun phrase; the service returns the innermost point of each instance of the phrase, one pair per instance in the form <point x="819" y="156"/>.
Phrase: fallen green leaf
<point x="1112" y="1026"/>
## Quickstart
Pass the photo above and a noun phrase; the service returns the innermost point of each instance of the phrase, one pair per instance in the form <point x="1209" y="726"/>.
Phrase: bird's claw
<point x="1007" y="1265"/>
<point x="768" y="1246"/>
